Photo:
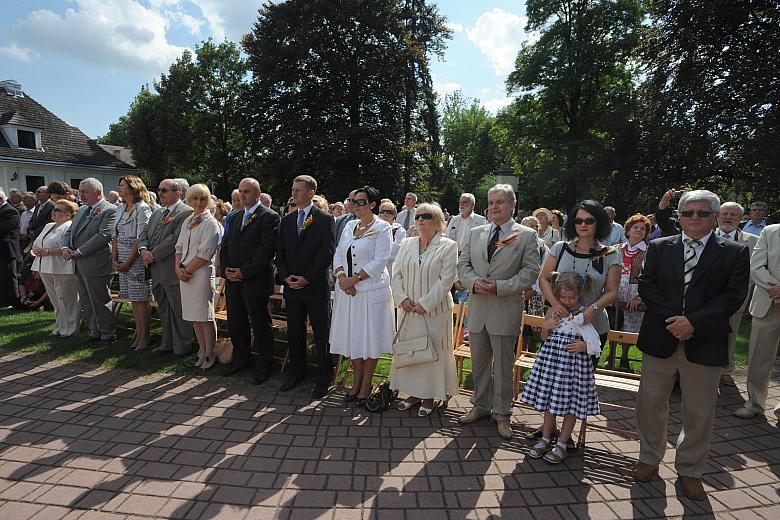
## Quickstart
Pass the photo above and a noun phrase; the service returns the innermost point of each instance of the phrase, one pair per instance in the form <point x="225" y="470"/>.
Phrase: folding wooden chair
<point x="460" y="344"/>
<point x="524" y="358"/>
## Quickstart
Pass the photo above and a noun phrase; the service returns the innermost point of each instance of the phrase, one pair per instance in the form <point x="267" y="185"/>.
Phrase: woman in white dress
<point x="388" y="213"/>
<point x="423" y="274"/>
<point x="57" y="274"/>
<point x="362" y="325"/>
<point x="200" y="235"/>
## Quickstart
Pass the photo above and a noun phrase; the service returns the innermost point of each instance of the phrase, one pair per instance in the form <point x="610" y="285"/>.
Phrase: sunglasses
<point x="423" y="216"/>
<point x="387" y="212"/>
<point x="292" y="205"/>
<point x="359" y="202"/>
<point x="700" y="213"/>
<point x="587" y="221"/>
<point x="166" y="190"/>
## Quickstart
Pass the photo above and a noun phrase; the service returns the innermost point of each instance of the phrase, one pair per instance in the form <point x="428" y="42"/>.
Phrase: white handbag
<point x="415" y="351"/>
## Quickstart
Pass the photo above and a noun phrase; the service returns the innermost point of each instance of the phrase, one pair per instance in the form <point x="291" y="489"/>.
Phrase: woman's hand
<point x="558" y="310"/>
<point x="122" y="266"/>
<point x="634" y="304"/>
<point x="419" y="309"/>
<point x="37" y="251"/>
<point x="407" y="305"/>
<point x="588" y="315"/>
<point x="182" y="275"/>
<point x="115" y="264"/>
<point x="553" y="322"/>
<point x="576" y="346"/>
<point x="351" y="291"/>
<point x="347" y="282"/>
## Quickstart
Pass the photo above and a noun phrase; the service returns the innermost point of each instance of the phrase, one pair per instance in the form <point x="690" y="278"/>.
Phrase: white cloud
<point x="119" y="35"/>
<point x="442" y="89"/>
<point x="455" y="27"/>
<point x="15" y="51"/>
<point x="499" y="35"/>
<point x="496" y="104"/>
<point x="229" y="19"/>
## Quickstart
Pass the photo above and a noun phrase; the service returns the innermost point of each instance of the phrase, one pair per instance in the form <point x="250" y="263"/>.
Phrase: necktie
<point x="407" y="218"/>
<point x="492" y="243"/>
<point x="246" y="218"/>
<point x="165" y="214"/>
<point x="301" y="218"/>
<point x="726" y="236"/>
<point x="689" y="264"/>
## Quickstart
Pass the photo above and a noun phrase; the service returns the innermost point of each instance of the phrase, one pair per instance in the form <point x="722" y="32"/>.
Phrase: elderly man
<point x="728" y="219"/>
<point x="9" y="252"/>
<point x="765" y="329"/>
<point x="266" y="200"/>
<point x="756" y="222"/>
<point x="41" y="214"/>
<point x="15" y="200"/>
<point x="305" y="250"/>
<point x="500" y="261"/>
<point x="113" y="197"/>
<point x="184" y="184"/>
<point x="158" y="251"/>
<point x="87" y="242"/>
<point x="618" y="234"/>
<point x="246" y="260"/>
<point x="545" y="231"/>
<point x="406" y="215"/>
<point x="691" y="284"/>
<point x="459" y="228"/>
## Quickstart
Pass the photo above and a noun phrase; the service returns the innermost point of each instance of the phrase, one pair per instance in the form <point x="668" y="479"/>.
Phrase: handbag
<point x="416" y="351"/>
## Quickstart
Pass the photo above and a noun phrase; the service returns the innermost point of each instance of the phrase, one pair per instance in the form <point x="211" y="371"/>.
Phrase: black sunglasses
<point x="359" y="202"/>
<point x="423" y="216"/>
<point x="387" y="212"/>
<point x="166" y="190"/>
<point x="589" y="221"/>
<point x="700" y="213"/>
<point x="292" y="205"/>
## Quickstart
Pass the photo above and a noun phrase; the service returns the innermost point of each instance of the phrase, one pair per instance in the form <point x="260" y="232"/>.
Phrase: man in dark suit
<point x="9" y="252"/>
<point x="246" y="262"/>
<point x="348" y="216"/>
<point x="306" y="246"/>
<point x="41" y="214"/>
<point x="691" y="283"/>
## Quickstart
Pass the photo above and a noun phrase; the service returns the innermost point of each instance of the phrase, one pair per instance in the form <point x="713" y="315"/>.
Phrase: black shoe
<point x="320" y="391"/>
<point x="90" y="340"/>
<point x="235" y="369"/>
<point x="291" y="383"/>
<point x="260" y="379"/>
<point x="108" y="341"/>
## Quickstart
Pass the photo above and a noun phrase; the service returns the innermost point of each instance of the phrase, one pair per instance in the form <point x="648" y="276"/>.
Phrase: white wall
<point x="53" y="173"/>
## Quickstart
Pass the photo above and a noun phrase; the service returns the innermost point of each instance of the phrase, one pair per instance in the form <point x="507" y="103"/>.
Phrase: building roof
<point x="61" y="142"/>
<point x="122" y="153"/>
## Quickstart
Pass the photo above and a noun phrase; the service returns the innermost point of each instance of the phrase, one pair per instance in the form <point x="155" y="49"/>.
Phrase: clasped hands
<point x="410" y="307"/>
<point x="182" y="274"/>
<point x="347" y="284"/>
<point x="295" y="281"/>
<point x="234" y="274"/>
<point x="69" y="254"/>
<point x="553" y="322"/>
<point x="680" y="327"/>
<point x="774" y="293"/>
<point x="120" y="266"/>
<point x="485" y="286"/>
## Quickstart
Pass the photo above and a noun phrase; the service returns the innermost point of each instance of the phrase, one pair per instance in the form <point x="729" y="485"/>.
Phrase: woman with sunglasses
<point x="362" y="327"/>
<point x="423" y="274"/>
<point x="587" y="224"/>
<point x="387" y="212"/>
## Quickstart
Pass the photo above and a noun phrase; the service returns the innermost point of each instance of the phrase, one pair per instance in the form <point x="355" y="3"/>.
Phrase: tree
<point x="117" y="133"/>
<point x="710" y="102"/>
<point x="572" y="121"/>
<point x="332" y="92"/>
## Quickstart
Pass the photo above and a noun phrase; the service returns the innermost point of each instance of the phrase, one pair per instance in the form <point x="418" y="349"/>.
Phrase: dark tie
<point x="301" y="219"/>
<point x="407" y="218"/>
<point x="162" y="218"/>
<point x="492" y="243"/>
<point x="689" y="265"/>
<point x="165" y="214"/>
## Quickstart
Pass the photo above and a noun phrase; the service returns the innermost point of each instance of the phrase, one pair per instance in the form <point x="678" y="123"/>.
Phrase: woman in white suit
<point x="58" y="275"/>
<point x="362" y="327"/>
<point x="423" y="273"/>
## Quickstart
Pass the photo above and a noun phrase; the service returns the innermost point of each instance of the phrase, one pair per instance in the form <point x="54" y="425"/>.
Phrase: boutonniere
<point x="307" y="222"/>
<point x="168" y="218"/>
<point x="251" y="219"/>
<point x="508" y="240"/>
<point x="607" y="251"/>
<point x="94" y="212"/>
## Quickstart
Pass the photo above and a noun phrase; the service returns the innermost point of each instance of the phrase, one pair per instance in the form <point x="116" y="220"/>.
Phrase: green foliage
<point x="117" y="133"/>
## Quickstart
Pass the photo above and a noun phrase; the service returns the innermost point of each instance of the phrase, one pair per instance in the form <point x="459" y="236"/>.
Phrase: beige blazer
<point x="426" y="279"/>
<point x="765" y="269"/>
<point x="52" y="240"/>
<point x="749" y="239"/>
<point x="514" y="267"/>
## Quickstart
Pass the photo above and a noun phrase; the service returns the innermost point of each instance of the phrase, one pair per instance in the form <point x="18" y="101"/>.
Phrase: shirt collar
<point x="98" y="203"/>
<point x="703" y="240"/>
<point x="506" y="226"/>
<point x="174" y="205"/>
<point x="307" y="209"/>
<point x="252" y="209"/>
<point x="734" y="234"/>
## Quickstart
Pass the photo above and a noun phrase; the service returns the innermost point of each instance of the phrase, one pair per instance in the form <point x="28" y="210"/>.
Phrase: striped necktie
<point x="689" y="264"/>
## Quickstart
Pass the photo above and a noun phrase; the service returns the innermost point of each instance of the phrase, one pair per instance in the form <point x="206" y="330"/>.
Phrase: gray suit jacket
<point x="160" y="239"/>
<point x="765" y="269"/>
<point x="91" y="235"/>
<point x="514" y="267"/>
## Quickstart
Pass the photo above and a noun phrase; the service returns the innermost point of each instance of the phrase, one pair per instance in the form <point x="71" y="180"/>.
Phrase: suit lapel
<point x="711" y="252"/>
<point x="250" y="221"/>
<point x="676" y="247"/>
<point x="512" y="231"/>
<point x="484" y="238"/>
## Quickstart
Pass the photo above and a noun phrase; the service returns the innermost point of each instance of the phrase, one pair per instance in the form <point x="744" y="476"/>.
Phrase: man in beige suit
<point x="729" y="218"/>
<point x="765" y="331"/>
<point x="499" y="262"/>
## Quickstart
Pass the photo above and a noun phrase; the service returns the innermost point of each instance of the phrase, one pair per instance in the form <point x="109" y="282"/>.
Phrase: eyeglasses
<point x="587" y="221"/>
<point x="166" y="190"/>
<point x="699" y="213"/>
<point x="423" y="216"/>
<point x="387" y="212"/>
<point x="292" y="205"/>
<point x="359" y="202"/>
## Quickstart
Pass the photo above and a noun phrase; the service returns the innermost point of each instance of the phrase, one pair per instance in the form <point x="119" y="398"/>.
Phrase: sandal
<point x="539" y="449"/>
<point x="555" y="455"/>
<point x="425" y="412"/>
<point x="537" y="434"/>
<point x="406" y="403"/>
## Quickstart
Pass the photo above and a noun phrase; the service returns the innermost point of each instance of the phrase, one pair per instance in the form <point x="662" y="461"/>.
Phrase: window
<point x="26" y="139"/>
<point x="74" y="183"/>
<point x="34" y="182"/>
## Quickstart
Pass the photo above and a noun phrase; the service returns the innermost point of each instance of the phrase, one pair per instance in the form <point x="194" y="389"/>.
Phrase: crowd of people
<point x="364" y="279"/>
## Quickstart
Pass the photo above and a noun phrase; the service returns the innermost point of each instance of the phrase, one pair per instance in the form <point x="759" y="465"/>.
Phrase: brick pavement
<point x="76" y="442"/>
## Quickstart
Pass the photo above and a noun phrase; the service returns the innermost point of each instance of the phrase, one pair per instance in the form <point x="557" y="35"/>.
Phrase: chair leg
<point x="583" y="432"/>
<point x="338" y="369"/>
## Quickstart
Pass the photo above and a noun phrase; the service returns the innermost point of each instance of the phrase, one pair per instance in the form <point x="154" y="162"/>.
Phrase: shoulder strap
<point x="560" y="255"/>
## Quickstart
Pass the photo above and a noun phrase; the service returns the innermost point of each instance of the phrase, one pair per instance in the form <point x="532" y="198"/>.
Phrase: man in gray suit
<point x="88" y="243"/>
<point x="158" y="248"/>
<point x="348" y="216"/>
<point x="500" y="261"/>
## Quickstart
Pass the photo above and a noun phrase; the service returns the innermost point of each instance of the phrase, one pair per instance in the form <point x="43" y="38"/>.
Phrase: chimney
<point x="12" y="87"/>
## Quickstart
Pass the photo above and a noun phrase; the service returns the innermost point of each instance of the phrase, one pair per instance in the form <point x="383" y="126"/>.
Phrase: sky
<point x="86" y="60"/>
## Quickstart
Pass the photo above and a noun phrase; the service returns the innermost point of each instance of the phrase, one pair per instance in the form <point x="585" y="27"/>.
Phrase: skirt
<point x="133" y="285"/>
<point x="197" y="295"/>
<point x="362" y="326"/>
<point x="562" y="383"/>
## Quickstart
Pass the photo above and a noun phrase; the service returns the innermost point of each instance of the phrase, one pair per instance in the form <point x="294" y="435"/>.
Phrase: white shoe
<point x="744" y="413"/>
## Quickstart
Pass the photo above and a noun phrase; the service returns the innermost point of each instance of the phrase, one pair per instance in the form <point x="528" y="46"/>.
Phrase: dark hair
<point x="372" y="194"/>
<point x="603" y="226"/>
<point x="57" y="188"/>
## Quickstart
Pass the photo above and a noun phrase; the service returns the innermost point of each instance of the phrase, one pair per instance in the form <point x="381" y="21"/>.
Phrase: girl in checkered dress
<point x="562" y="381"/>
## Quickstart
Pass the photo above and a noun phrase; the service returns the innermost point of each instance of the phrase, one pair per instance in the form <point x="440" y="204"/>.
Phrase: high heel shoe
<point x="199" y="362"/>
<point x="406" y="404"/>
<point x="425" y="412"/>
<point x="208" y="362"/>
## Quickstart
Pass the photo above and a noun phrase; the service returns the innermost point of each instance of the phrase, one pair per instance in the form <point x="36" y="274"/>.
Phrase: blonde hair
<point x="321" y="202"/>
<point x="571" y="281"/>
<point x="67" y="205"/>
<point x="199" y="190"/>
<point x="387" y="204"/>
<point x="438" y="215"/>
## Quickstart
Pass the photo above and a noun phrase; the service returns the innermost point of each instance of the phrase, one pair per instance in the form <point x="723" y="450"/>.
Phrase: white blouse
<point x="51" y="239"/>
<point x="370" y="253"/>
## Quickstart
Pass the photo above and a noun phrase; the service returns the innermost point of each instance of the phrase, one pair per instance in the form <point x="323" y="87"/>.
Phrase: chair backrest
<point x="460" y="318"/>
<point x="219" y="299"/>
<point x="531" y="321"/>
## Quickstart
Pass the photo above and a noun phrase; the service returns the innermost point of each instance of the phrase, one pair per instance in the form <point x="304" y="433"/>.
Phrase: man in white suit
<point x="499" y="262"/>
<point x="460" y="226"/>
<point x="728" y="219"/>
<point x="765" y="330"/>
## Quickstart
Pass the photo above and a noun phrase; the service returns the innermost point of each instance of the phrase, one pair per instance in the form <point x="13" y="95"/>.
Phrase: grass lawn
<point x="27" y="332"/>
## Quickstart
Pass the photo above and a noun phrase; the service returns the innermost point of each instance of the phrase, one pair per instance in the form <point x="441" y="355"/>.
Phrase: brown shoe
<point x="473" y="416"/>
<point x="727" y="380"/>
<point x="644" y="472"/>
<point x="692" y="488"/>
<point x="504" y="430"/>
